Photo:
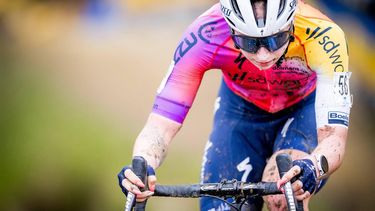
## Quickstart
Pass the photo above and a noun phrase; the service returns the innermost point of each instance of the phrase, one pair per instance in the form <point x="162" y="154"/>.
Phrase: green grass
<point x="56" y="154"/>
<point x="61" y="154"/>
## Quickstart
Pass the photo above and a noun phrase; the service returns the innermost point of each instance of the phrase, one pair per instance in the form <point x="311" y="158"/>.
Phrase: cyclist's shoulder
<point x="312" y="23"/>
<point x="322" y="40"/>
<point x="204" y="37"/>
<point x="213" y="11"/>
<point x="308" y="11"/>
<point x="210" y="23"/>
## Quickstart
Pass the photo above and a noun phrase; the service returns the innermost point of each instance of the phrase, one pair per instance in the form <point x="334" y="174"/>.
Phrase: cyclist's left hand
<point x="303" y="173"/>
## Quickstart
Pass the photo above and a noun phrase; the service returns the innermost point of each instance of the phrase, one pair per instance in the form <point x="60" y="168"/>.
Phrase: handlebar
<point x="225" y="189"/>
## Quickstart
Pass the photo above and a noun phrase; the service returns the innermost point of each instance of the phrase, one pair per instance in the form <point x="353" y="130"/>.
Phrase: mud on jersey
<point x="317" y="59"/>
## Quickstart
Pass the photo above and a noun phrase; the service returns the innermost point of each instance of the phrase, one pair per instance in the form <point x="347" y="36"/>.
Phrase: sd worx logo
<point x="329" y="46"/>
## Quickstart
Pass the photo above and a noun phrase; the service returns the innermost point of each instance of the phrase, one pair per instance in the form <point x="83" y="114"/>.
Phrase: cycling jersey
<point x="317" y="59"/>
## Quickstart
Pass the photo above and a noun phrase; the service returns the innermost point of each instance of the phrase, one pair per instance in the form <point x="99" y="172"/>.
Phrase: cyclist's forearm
<point x="153" y="141"/>
<point x="332" y="142"/>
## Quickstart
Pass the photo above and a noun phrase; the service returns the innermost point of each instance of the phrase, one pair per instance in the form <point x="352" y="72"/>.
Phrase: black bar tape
<point x="186" y="191"/>
<point x="284" y="163"/>
<point x="139" y="166"/>
<point x="270" y="188"/>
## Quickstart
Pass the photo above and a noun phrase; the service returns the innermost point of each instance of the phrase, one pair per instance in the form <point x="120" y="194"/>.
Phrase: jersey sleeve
<point x="327" y="54"/>
<point x="192" y="57"/>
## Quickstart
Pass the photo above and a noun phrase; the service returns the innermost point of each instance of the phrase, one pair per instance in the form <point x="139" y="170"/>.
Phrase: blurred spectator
<point x="99" y="11"/>
<point x="361" y="10"/>
<point x="359" y="17"/>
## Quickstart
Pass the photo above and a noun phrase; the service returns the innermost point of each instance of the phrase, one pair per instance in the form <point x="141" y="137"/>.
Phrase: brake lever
<point x="284" y="163"/>
<point x="139" y="167"/>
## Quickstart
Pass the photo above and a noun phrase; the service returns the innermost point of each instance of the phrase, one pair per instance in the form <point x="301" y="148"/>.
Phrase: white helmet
<point x="240" y="16"/>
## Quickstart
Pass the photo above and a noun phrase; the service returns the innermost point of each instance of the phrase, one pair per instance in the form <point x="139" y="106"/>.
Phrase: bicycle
<point x="237" y="190"/>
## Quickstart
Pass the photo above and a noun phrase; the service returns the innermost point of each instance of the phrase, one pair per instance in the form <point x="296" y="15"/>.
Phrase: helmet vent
<point x="261" y="23"/>
<point x="226" y="18"/>
<point x="236" y="10"/>
<point x="281" y="8"/>
<point x="290" y="15"/>
<point x="260" y="20"/>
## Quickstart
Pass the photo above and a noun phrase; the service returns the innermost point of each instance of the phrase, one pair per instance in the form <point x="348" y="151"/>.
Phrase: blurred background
<point x="77" y="82"/>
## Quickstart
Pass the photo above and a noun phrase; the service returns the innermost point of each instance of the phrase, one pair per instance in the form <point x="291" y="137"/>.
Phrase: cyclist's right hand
<point x="128" y="181"/>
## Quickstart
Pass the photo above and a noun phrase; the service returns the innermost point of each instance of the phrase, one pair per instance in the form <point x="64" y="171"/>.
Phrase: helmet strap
<point x="235" y="44"/>
<point x="282" y="58"/>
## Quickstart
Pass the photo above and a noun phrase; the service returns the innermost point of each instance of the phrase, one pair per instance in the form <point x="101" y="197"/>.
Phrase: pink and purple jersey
<point x="317" y="58"/>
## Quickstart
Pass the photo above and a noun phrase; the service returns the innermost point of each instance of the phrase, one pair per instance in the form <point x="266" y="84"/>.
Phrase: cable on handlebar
<point x="225" y="201"/>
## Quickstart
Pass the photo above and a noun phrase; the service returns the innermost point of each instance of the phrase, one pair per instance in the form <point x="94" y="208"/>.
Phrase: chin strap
<point x="235" y="44"/>
<point x="282" y="58"/>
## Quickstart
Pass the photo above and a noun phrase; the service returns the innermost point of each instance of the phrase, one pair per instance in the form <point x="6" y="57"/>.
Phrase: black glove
<point x="121" y="176"/>
<point x="308" y="175"/>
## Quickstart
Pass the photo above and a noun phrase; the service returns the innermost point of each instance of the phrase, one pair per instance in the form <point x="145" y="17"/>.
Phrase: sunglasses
<point x="253" y="44"/>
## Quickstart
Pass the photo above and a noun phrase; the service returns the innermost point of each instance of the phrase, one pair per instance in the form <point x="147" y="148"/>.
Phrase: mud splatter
<point x="326" y="132"/>
<point x="273" y="168"/>
<point x="207" y="177"/>
<point x="156" y="147"/>
<point x="278" y="204"/>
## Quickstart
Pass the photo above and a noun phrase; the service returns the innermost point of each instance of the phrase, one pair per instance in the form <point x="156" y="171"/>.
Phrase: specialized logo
<point x="246" y="167"/>
<point x="329" y="46"/>
<point x="337" y="117"/>
<point x="225" y="11"/>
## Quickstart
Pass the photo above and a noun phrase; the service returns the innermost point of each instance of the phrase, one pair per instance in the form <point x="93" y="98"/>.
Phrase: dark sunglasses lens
<point x="246" y="43"/>
<point x="275" y="42"/>
<point x="252" y="44"/>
